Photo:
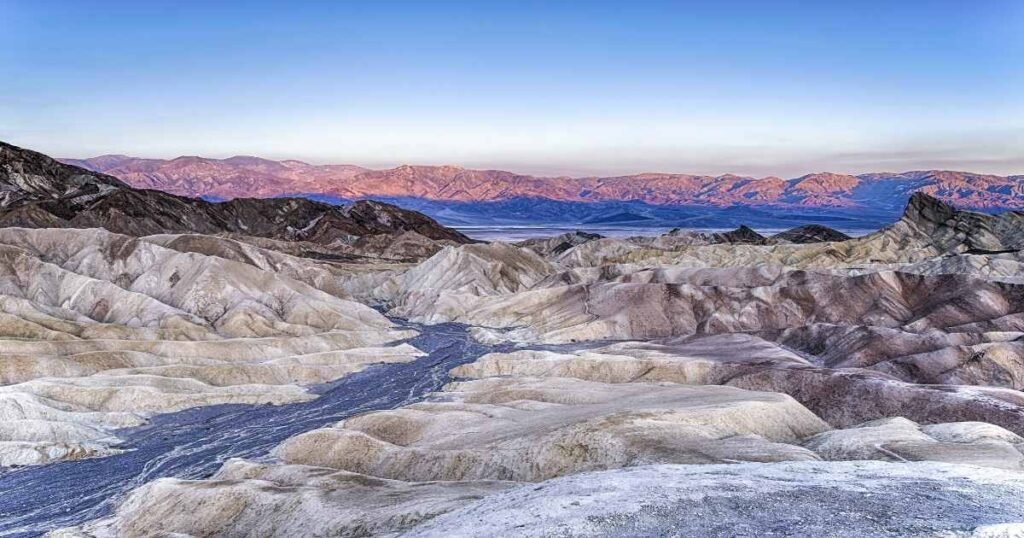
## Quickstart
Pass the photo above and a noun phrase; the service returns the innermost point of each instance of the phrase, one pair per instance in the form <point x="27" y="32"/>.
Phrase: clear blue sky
<point x="780" y="88"/>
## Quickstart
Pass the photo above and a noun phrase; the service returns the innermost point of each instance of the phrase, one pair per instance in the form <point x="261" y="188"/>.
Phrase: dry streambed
<point x="597" y="452"/>
<point x="195" y="442"/>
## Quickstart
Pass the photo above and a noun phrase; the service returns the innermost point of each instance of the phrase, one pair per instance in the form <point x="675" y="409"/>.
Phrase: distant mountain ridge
<point x="244" y="176"/>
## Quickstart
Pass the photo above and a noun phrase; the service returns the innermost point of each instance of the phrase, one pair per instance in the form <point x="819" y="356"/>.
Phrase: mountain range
<point x="244" y="176"/>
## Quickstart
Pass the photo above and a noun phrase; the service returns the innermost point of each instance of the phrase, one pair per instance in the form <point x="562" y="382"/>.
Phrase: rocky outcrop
<point x="553" y="246"/>
<point x="810" y="233"/>
<point x="681" y="237"/>
<point x="27" y="177"/>
<point x="964" y="231"/>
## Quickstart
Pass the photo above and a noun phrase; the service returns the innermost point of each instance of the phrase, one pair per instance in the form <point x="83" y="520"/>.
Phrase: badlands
<point x="691" y="384"/>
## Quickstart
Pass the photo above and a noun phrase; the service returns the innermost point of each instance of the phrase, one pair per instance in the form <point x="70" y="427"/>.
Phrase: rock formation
<point x="811" y="233"/>
<point x="693" y="383"/>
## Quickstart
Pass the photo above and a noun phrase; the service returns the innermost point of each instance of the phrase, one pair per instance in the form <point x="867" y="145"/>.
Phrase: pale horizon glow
<point x="750" y="88"/>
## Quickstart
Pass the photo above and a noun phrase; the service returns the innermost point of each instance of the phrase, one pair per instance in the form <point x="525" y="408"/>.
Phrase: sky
<point x="574" y="88"/>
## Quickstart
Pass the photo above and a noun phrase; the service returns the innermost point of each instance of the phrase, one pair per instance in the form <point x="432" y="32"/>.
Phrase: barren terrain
<point x="694" y="383"/>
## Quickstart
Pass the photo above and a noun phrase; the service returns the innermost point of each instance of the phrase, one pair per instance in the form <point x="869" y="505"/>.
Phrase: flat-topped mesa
<point x="37" y="191"/>
<point x="955" y="230"/>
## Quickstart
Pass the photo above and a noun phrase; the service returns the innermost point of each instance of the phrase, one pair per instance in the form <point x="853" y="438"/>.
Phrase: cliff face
<point x="37" y="191"/>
